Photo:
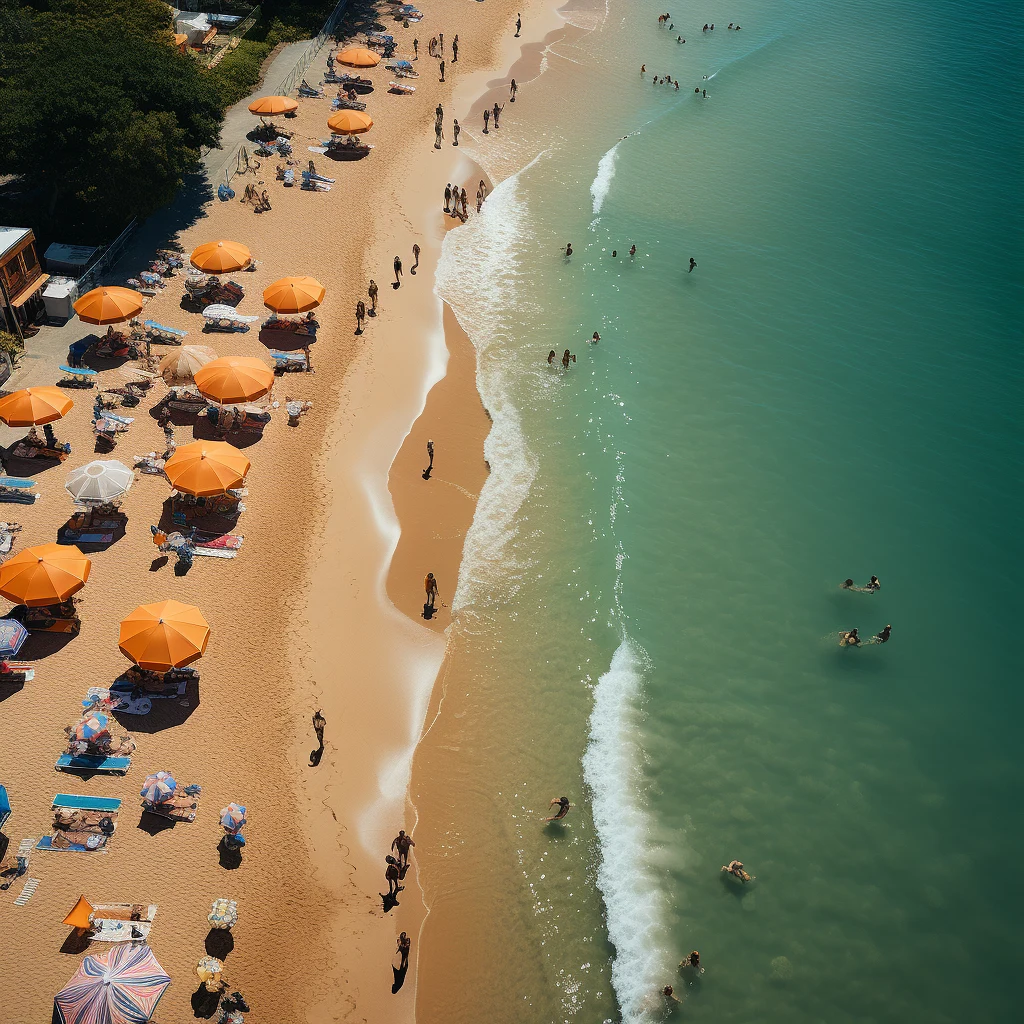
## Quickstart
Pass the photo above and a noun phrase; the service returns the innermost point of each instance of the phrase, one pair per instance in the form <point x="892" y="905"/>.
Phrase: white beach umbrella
<point x="102" y="480"/>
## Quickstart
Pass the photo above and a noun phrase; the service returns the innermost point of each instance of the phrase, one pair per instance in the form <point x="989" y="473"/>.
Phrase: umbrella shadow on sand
<point x="41" y="644"/>
<point x="204" y="430"/>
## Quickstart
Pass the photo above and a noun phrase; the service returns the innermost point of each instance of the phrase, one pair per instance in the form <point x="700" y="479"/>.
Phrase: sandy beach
<point x="306" y="617"/>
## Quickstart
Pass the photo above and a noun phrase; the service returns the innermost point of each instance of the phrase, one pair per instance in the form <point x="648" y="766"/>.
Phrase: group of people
<point x="567" y="358"/>
<point x="397" y="865"/>
<point x="851" y="637"/>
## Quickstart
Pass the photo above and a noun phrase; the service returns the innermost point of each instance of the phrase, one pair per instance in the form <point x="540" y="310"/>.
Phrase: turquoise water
<point x="651" y="586"/>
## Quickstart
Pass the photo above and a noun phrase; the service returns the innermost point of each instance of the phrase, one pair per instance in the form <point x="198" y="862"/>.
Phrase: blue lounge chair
<point x="5" y="806"/>
<point x="86" y="803"/>
<point x="158" y="329"/>
<point x="93" y="763"/>
<point x="78" y="376"/>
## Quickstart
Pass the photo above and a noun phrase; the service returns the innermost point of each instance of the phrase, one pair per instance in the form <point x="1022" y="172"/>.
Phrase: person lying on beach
<point x="883" y="636"/>
<point x="563" y="807"/>
<point x="735" y="867"/>
<point x="849" y="639"/>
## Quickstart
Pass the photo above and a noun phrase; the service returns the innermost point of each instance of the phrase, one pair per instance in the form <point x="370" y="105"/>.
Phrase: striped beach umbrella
<point x="12" y="635"/>
<point x="119" y="987"/>
<point x="158" y="787"/>
<point x="232" y="817"/>
<point x="92" y="726"/>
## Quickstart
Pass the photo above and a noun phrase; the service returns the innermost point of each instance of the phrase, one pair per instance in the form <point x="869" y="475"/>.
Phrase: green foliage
<point x="11" y="344"/>
<point x="238" y="73"/>
<point x="102" y="115"/>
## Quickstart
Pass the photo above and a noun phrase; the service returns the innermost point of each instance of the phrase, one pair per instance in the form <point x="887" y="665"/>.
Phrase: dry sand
<point x="301" y="619"/>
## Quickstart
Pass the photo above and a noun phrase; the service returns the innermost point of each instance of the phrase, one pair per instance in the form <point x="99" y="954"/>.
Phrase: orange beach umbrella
<point x="234" y="379"/>
<point x="221" y="257"/>
<point x="294" y="294"/>
<point x="32" y="406"/>
<point x="357" y="57"/>
<point x="43" y="575"/>
<point x="204" y="468"/>
<point x="268" y="106"/>
<point x="78" y="915"/>
<point x="108" y="305"/>
<point x="164" y="635"/>
<point x="350" y="122"/>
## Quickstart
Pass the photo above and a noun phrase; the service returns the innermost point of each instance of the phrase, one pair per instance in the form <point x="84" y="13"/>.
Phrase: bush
<point x="11" y="344"/>
<point x="238" y="73"/>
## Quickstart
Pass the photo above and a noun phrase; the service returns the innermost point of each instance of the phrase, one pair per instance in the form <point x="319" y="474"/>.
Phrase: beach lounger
<point x="71" y="801"/>
<point x="121" y="922"/>
<point x="158" y="332"/>
<point x="77" y="377"/>
<point x="14" y="490"/>
<point x="5" y="806"/>
<point x="285" y="362"/>
<point x="18" y="672"/>
<point x="93" y="763"/>
<point x="27" y="892"/>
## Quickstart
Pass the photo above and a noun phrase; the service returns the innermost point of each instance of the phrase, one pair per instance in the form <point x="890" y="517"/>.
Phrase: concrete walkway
<point x="49" y="348"/>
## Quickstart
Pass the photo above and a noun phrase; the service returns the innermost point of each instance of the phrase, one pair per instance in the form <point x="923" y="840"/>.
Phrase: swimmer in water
<point x="704" y="93"/>
<point x="568" y="249"/>
<point x="847" y="585"/>
<point x="551" y="357"/>
<point x="567" y="358"/>
<point x="563" y="808"/>
<point x="883" y="636"/>
<point x="693" y="263"/>
<point x="873" y="584"/>
<point x="849" y="639"/>
<point x="692" y="962"/>
<point x="697" y="90"/>
<point x="632" y="250"/>
<point x="735" y="867"/>
<point x="670" y="995"/>
<point x="596" y="338"/>
<point x="614" y="253"/>
<point x="643" y="70"/>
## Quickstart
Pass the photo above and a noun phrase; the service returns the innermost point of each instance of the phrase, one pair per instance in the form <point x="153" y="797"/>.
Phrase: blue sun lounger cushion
<point x="93" y="763"/>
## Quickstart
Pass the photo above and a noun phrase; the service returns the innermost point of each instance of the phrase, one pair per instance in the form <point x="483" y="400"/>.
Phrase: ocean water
<point x="648" y="613"/>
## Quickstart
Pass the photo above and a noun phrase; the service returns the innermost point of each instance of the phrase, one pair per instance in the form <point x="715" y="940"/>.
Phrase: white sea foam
<point x="603" y="182"/>
<point x="478" y="275"/>
<point x="611" y="767"/>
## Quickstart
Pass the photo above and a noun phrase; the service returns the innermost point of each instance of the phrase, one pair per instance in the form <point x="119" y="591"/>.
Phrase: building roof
<point x="10" y="237"/>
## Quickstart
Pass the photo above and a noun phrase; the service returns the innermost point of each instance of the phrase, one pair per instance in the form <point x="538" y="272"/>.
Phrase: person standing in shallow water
<point x="497" y="111"/>
<point x="487" y="118"/>
<point x="512" y="90"/>
<point x="465" y="208"/>
<point x="563" y="808"/>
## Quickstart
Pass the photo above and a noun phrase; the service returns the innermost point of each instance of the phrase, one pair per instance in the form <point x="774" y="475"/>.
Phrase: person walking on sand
<point x="512" y="90"/>
<point x="416" y="49"/>
<point x="360" y="316"/>
<point x="456" y="130"/>
<point x="393" y="874"/>
<point x="398" y="272"/>
<point x="440" y="36"/>
<point x="442" y="71"/>
<point x="404" y="945"/>
<point x="455" y="48"/>
<point x="372" y="292"/>
<point x="487" y="118"/>
<point x="519" y="24"/>
<point x="465" y="207"/>
<point x="497" y="112"/>
<point x="430" y="453"/>
<point x="448" y="197"/>
<point x="401" y="844"/>
<point x="438" y="134"/>
<point x="439" y="113"/>
<point x="479" y="198"/>
<point x="432" y="46"/>
<point x="430" y="586"/>
<point x="415" y="258"/>
<point x="563" y="808"/>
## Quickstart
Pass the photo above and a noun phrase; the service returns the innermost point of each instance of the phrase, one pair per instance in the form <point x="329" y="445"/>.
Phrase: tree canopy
<point x="100" y="113"/>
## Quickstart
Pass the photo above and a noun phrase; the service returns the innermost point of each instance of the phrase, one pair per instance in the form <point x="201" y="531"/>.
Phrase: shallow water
<point x="650" y="604"/>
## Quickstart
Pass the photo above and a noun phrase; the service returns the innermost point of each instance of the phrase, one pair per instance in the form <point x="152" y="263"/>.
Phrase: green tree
<point x="101" y="114"/>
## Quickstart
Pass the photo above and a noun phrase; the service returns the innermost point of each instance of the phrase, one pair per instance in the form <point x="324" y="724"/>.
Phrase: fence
<point x="233" y="38"/>
<point x="315" y="45"/>
<point x="109" y="256"/>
